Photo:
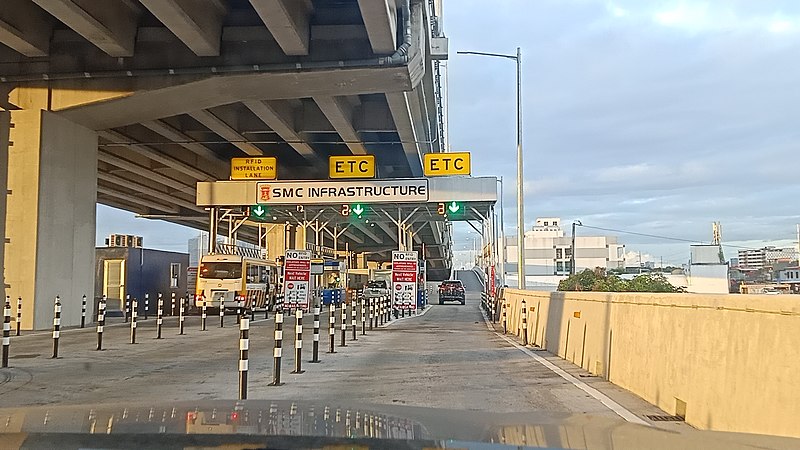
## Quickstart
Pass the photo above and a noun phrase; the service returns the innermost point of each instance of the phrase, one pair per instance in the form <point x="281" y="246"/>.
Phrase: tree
<point x="599" y="281"/>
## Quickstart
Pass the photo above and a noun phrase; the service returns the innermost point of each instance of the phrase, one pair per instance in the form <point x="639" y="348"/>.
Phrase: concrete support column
<point x="50" y="215"/>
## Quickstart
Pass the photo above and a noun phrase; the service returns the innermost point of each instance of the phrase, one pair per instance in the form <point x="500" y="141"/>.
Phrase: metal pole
<point x="244" y="347"/>
<point x="298" y="342"/>
<point x="353" y="314"/>
<point x="101" y="322"/>
<point x="332" y="327"/>
<point x="502" y="252"/>
<point x="160" y="316"/>
<point x="344" y="323"/>
<point x="172" y="305"/>
<point x="203" y="314"/>
<point x="315" y="343"/>
<point x="363" y="315"/>
<point x="505" y="323"/>
<point x="56" y="325"/>
<point x="277" y="350"/>
<point x="146" y="306"/>
<point x="222" y="312"/>
<point x="371" y="313"/>
<point x="83" y="312"/>
<point x="127" y="307"/>
<point x="520" y="181"/>
<point x="572" y="252"/>
<point x="181" y="314"/>
<point x="19" y="314"/>
<point x="133" y="320"/>
<point x="6" y="330"/>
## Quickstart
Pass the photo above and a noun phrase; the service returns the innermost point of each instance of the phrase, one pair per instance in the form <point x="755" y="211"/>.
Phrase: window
<point x="559" y="253"/>
<point x="546" y="223"/>
<point x="568" y="266"/>
<point x="559" y="266"/>
<point x="567" y="252"/>
<point x="174" y="274"/>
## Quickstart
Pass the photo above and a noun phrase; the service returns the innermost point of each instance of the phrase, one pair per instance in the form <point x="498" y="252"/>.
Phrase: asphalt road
<point x="445" y="358"/>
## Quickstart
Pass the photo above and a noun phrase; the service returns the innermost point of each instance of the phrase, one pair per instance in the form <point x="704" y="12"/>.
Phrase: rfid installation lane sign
<point x="355" y="191"/>
<point x="404" y="279"/>
<point x="296" y="277"/>
<point x="258" y="168"/>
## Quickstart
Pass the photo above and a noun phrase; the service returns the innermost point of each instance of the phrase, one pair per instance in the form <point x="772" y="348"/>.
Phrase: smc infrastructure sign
<point x="404" y="279"/>
<point x="319" y="192"/>
<point x="296" y="277"/>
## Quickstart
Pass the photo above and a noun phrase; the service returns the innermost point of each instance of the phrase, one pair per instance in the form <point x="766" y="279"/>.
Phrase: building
<point x="123" y="271"/>
<point x="790" y="276"/>
<point x="707" y="272"/>
<point x="757" y="259"/>
<point x="548" y="252"/>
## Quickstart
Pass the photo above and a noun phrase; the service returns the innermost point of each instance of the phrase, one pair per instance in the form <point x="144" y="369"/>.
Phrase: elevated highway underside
<point x="131" y="103"/>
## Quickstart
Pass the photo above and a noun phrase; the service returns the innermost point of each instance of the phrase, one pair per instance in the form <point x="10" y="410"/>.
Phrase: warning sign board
<point x="404" y="279"/>
<point x="296" y="277"/>
<point x="254" y="168"/>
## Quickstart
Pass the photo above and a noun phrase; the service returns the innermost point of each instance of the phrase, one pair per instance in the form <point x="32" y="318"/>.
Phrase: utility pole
<point x="572" y="269"/>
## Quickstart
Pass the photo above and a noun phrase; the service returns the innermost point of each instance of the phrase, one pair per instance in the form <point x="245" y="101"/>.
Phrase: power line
<point x="669" y="238"/>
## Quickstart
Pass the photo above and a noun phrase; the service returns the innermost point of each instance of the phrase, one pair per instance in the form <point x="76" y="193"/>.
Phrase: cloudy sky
<point x="657" y="117"/>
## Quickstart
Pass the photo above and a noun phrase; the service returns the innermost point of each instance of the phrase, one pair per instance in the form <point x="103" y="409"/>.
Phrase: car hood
<point x="308" y="424"/>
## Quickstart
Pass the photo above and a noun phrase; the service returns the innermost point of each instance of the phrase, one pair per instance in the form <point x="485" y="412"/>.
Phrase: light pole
<point x="572" y="250"/>
<point x="501" y="251"/>
<point x="520" y="196"/>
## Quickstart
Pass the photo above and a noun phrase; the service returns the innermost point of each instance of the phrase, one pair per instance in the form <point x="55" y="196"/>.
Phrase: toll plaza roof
<point x="368" y="213"/>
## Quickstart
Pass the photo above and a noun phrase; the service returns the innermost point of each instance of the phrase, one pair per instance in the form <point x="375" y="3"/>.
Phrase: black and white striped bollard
<point x="379" y="311"/>
<point x="332" y="328"/>
<point x="505" y="323"/>
<point x="127" y="307"/>
<point x="203" y="314"/>
<point x="315" y="342"/>
<point x="353" y="318"/>
<point x="222" y="311"/>
<point x="6" y="330"/>
<point x="244" y="347"/>
<point x="182" y="314"/>
<point x="19" y="314"/>
<point x="83" y="312"/>
<point x="494" y="308"/>
<point x="298" y="342"/>
<point x="146" y="306"/>
<point x="56" y="325"/>
<point x="160" y="315"/>
<point x="277" y="350"/>
<point x="371" y="313"/>
<point x="134" y="314"/>
<point x="101" y="322"/>
<point x="524" y="324"/>
<point x="363" y="316"/>
<point x="342" y="343"/>
<point x="172" y="305"/>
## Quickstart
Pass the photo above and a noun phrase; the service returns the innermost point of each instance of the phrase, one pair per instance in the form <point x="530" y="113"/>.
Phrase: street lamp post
<point x="572" y="250"/>
<point x="520" y="196"/>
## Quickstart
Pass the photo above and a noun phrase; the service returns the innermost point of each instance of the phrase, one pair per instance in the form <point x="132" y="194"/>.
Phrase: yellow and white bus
<point x="238" y="280"/>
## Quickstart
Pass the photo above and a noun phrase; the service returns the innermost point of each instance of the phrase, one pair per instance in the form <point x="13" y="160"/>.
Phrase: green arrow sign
<point x="358" y="210"/>
<point x="259" y="213"/>
<point x="454" y="207"/>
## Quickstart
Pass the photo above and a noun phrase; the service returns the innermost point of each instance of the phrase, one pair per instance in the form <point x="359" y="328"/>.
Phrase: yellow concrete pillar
<point x="50" y="215"/>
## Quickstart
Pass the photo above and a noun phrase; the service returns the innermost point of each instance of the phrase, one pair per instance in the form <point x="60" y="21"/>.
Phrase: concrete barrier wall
<point x="724" y="362"/>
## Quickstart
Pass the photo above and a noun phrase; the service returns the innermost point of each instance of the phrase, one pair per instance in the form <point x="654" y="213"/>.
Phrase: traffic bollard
<point x="56" y="325"/>
<point x="134" y="314"/>
<point x="277" y="350"/>
<point x="172" y="306"/>
<point x="146" y="306"/>
<point x="83" y="312"/>
<point x="524" y="324"/>
<point x="6" y="330"/>
<point x="127" y="307"/>
<point x="380" y="311"/>
<point x="222" y="311"/>
<point x="160" y="315"/>
<point x="353" y="313"/>
<point x="181" y="315"/>
<point x="298" y="342"/>
<point x="244" y="347"/>
<point x="363" y="316"/>
<point x="19" y="314"/>
<point x="505" y="323"/>
<point x="344" y="325"/>
<point x="332" y="328"/>
<point x="101" y="322"/>
<point x="315" y="343"/>
<point x="494" y="309"/>
<point x="203" y="314"/>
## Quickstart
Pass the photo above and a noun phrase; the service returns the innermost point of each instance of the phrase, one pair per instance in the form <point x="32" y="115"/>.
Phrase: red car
<point x="453" y="291"/>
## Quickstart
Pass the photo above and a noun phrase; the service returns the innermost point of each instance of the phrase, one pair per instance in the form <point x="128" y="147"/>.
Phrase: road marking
<point x="400" y="319"/>
<point x="597" y="395"/>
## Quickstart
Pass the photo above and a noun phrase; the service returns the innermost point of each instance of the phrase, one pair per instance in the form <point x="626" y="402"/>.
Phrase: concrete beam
<point x="136" y="199"/>
<point x="147" y="190"/>
<point x="155" y="155"/>
<point x="385" y="227"/>
<point x="111" y="26"/>
<point x="288" y="21"/>
<point x="364" y="228"/>
<point x="339" y="112"/>
<point x="404" y="121"/>
<point x="380" y="19"/>
<point x="146" y="172"/>
<point x="182" y="139"/>
<point x="350" y="235"/>
<point x="279" y="116"/>
<point x="197" y="23"/>
<point x="225" y="131"/>
<point x="25" y="27"/>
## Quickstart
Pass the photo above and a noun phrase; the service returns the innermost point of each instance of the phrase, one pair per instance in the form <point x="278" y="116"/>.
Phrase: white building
<point x="707" y="272"/>
<point x="756" y="259"/>
<point x="548" y="252"/>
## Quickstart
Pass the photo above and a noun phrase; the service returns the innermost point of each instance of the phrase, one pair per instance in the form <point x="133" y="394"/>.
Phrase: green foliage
<point x="599" y="281"/>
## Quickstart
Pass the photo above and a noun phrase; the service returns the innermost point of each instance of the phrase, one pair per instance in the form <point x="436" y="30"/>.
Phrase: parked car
<point x="452" y="291"/>
<point x="376" y="288"/>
